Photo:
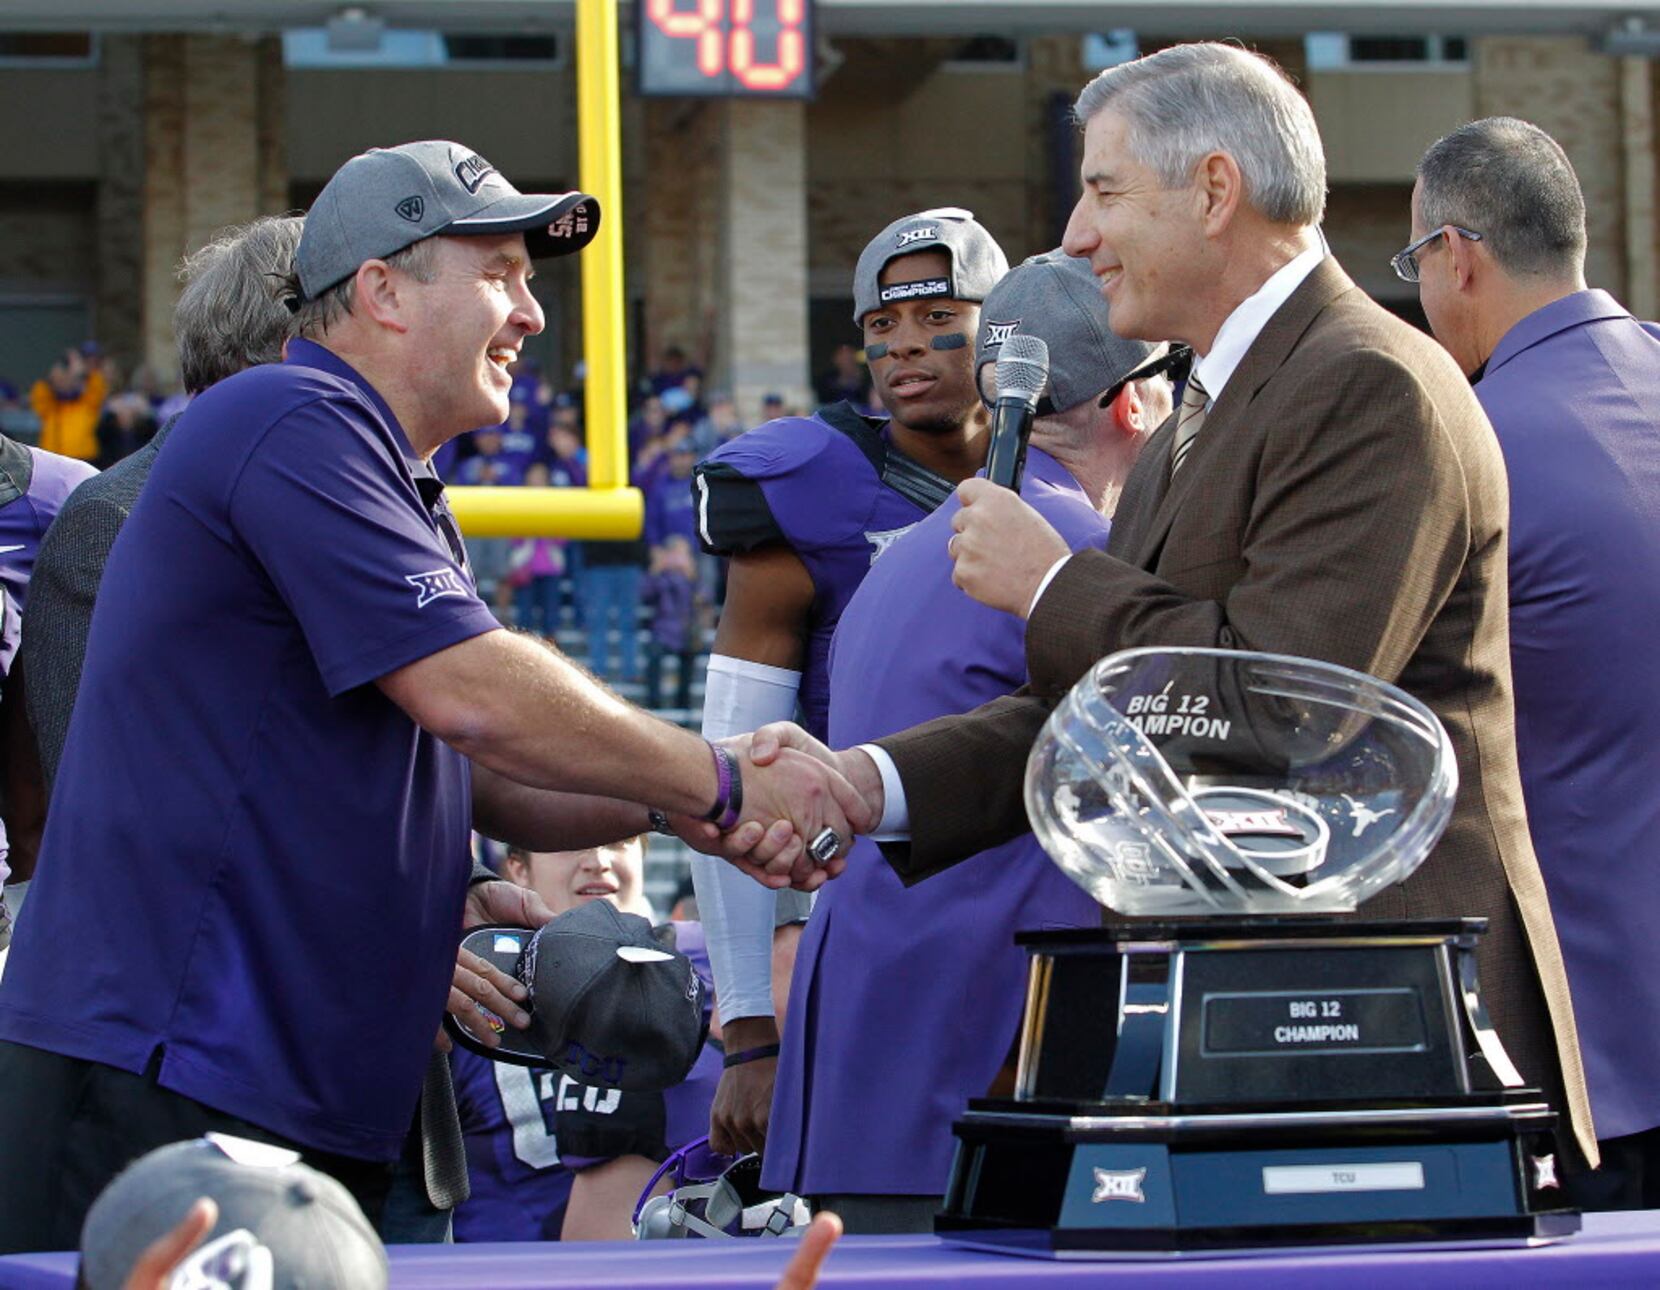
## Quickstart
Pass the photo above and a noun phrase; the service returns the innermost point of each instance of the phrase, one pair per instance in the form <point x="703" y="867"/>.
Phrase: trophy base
<point x="1109" y="1180"/>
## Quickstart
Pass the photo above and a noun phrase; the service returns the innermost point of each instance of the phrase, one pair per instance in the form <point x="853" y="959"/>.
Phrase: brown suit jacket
<point x="1346" y="500"/>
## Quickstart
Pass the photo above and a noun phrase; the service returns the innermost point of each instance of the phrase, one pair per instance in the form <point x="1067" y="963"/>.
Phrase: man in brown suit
<point x="1330" y="488"/>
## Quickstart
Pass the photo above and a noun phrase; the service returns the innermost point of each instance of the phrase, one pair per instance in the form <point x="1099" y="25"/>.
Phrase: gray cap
<point x="977" y="262"/>
<point x="272" y="1209"/>
<point x="612" y="1003"/>
<point x="1056" y="298"/>
<point x="385" y="199"/>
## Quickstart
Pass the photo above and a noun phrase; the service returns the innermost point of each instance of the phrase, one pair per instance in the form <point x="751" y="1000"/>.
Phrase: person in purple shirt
<point x="1571" y="382"/>
<point x="34" y="485"/>
<point x="293" y="710"/>
<point x="550" y="1158"/>
<point x="671" y="507"/>
<point x="803" y="506"/>
<point x="937" y="964"/>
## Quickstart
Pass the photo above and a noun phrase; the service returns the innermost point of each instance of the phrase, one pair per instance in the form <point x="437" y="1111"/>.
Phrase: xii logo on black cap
<point x="473" y="171"/>
<point x="998" y="332"/>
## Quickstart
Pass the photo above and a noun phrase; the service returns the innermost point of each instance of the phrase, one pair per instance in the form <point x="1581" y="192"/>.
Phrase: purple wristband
<point x="750" y="1055"/>
<point x="729" y="794"/>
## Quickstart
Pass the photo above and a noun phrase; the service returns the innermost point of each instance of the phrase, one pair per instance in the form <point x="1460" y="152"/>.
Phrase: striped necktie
<point x="1188" y="422"/>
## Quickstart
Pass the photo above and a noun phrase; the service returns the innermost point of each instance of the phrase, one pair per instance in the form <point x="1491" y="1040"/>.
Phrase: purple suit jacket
<point x="1573" y="391"/>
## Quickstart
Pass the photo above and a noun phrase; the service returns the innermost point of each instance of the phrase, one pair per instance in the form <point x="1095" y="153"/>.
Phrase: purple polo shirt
<point x="905" y="1001"/>
<point x="1573" y="391"/>
<point x="254" y="859"/>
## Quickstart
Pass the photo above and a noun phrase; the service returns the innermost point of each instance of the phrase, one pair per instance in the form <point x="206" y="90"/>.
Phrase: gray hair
<point x="1511" y="182"/>
<point x="314" y="317"/>
<point x="233" y="312"/>
<point x="1188" y="101"/>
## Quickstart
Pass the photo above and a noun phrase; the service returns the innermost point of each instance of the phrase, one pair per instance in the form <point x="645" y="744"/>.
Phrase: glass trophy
<point x="1241" y="1062"/>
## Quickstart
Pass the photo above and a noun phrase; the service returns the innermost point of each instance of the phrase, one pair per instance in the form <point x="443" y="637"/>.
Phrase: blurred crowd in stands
<point x="645" y="609"/>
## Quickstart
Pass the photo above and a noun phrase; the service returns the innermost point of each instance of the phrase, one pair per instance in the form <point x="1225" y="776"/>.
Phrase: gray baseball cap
<point x="977" y="262"/>
<point x="1056" y="298"/>
<point x="273" y="1212"/>
<point x="385" y="199"/>
<point x="611" y="1001"/>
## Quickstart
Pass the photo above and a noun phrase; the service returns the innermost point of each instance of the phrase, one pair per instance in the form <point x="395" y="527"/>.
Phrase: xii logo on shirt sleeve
<point x="437" y="583"/>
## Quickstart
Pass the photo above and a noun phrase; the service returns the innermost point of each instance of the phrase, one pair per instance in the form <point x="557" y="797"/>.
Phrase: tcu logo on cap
<point x="926" y="233"/>
<point x="472" y="171"/>
<point x="570" y="224"/>
<point x="997" y="333"/>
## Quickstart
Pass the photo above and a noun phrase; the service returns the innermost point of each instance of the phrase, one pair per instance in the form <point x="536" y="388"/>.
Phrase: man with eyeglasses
<point x="1571" y="382"/>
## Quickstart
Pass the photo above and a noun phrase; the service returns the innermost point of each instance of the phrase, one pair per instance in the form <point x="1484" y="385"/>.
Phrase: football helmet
<point x="715" y="1196"/>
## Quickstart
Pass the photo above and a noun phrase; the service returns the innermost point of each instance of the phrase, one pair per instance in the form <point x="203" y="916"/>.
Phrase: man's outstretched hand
<point x="794" y="787"/>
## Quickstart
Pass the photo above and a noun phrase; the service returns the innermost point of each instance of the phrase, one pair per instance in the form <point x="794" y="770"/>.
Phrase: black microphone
<point x="1022" y="375"/>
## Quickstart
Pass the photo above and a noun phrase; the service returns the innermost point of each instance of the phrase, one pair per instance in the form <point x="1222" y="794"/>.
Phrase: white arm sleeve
<point x="736" y="911"/>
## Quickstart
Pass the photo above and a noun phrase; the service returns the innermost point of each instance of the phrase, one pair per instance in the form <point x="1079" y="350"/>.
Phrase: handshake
<point x="797" y="793"/>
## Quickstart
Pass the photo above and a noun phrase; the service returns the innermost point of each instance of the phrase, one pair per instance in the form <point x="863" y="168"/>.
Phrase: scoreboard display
<point x="725" y="48"/>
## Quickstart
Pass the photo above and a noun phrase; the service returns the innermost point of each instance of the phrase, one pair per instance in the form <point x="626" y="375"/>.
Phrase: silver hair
<point x="1188" y="101"/>
<point x="233" y="312"/>
<point x="1511" y="182"/>
<point x="314" y="317"/>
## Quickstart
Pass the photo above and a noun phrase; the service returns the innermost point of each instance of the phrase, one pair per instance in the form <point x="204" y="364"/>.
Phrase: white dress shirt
<point x="1215" y="368"/>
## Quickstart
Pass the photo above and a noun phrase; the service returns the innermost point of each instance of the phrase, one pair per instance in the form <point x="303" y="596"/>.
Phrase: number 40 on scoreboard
<point x="723" y="48"/>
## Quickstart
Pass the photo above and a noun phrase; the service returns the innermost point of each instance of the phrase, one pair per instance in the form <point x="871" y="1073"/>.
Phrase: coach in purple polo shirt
<point x="906" y="1000"/>
<point x="1572" y="384"/>
<point x="293" y="707"/>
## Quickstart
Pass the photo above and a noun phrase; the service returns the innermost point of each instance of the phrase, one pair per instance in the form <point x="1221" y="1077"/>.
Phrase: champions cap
<point x="977" y="262"/>
<point x="281" y="1224"/>
<point x="1056" y="298"/>
<point x="609" y="1003"/>
<point x="385" y="199"/>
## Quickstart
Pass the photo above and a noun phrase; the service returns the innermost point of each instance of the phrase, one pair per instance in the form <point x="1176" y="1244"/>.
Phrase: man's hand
<point x="777" y="856"/>
<point x="801" y="1273"/>
<point x="743" y="1099"/>
<point x="504" y="903"/>
<point x="477" y="983"/>
<point x="1002" y="547"/>
<point x="161" y="1258"/>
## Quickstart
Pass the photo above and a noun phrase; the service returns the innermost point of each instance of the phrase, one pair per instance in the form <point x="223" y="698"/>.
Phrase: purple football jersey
<point x="39" y="482"/>
<point x="23" y="519"/>
<point x="905" y="999"/>
<point x="831" y="488"/>
<point x="529" y="1132"/>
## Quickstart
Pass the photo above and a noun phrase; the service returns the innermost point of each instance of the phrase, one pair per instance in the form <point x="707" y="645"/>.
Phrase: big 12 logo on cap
<point x="924" y="234"/>
<point x="472" y="171"/>
<point x="998" y="332"/>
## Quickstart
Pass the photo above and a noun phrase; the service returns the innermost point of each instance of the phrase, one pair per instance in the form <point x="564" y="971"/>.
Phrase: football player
<point x="803" y="506"/>
<point x="550" y="1158"/>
